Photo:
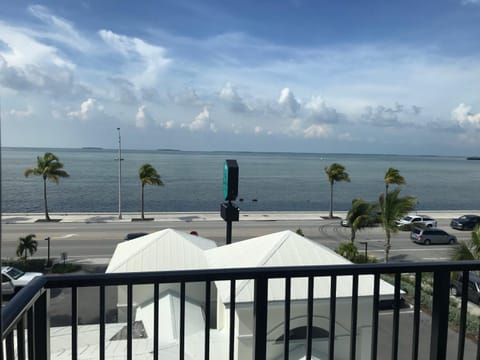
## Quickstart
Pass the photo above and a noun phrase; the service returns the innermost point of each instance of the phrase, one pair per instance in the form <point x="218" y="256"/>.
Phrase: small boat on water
<point x="473" y="158"/>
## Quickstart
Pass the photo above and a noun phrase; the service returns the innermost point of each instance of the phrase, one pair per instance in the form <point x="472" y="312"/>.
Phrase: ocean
<point x="267" y="181"/>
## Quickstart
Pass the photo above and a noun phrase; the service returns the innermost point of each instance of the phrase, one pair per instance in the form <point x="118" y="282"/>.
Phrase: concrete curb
<point x="27" y="218"/>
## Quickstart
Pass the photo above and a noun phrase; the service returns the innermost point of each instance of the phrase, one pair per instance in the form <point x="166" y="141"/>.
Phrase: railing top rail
<point x="112" y="279"/>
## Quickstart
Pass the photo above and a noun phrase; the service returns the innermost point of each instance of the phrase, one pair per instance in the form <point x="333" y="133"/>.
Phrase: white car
<point x="417" y="219"/>
<point x="7" y="286"/>
<point x="17" y="277"/>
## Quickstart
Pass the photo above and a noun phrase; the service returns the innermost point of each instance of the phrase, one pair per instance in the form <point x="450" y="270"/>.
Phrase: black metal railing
<point x="26" y="322"/>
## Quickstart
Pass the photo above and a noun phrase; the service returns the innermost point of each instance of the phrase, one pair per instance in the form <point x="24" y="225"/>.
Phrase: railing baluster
<point x="30" y="335"/>
<point x="208" y="300"/>
<point x="129" y="321"/>
<point x="439" y="332"/>
<point x="260" y="310"/>
<point x="182" y="320"/>
<point x="10" y="346"/>
<point x="416" y="315"/>
<point x="375" y="305"/>
<point x="101" y="315"/>
<point x="286" y="328"/>
<point x="42" y="326"/>
<point x="74" y="322"/>
<point x="396" y="316"/>
<point x="21" y="339"/>
<point x="309" y="317"/>
<point x="463" y="316"/>
<point x="353" y="327"/>
<point x="231" y="338"/>
<point x="156" y="334"/>
<point x="333" y="315"/>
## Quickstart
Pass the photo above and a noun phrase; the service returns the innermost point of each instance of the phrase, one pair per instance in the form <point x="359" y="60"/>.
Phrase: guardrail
<point x="26" y="324"/>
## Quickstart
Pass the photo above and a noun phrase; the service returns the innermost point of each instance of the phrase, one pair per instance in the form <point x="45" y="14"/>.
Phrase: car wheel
<point x="427" y="242"/>
<point x="451" y="241"/>
<point x="454" y="291"/>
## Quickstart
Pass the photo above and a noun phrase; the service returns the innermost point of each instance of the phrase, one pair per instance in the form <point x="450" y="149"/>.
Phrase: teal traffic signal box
<point x="230" y="180"/>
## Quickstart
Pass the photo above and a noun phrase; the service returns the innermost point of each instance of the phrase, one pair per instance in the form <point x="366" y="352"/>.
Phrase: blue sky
<point x="316" y="76"/>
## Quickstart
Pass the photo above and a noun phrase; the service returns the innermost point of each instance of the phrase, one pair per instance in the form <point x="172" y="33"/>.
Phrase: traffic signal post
<point x="229" y="211"/>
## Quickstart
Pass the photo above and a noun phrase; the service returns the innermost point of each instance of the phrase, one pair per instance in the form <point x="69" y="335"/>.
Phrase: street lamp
<point x="119" y="174"/>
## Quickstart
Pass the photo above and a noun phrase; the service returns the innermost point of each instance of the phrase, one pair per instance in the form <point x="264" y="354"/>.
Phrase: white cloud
<point x="318" y="111"/>
<point x="147" y="60"/>
<point x="88" y="110"/>
<point x="21" y="113"/>
<point x="317" y="131"/>
<point x="143" y="119"/>
<point x="188" y="97"/>
<point x="230" y="96"/>
<point x="123" y="91"/>
<point x="258" y="130"/>
<point x="202" y="122"/>
<point x="23" y="49"/>
<point x="464" y="117"/>
<point x="288" y="102"/>
<point x="59" y="29"/>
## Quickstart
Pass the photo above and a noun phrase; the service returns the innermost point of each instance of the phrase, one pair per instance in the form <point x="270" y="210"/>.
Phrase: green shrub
<point x="35" y="265"/>
<point x="65" y="268"/>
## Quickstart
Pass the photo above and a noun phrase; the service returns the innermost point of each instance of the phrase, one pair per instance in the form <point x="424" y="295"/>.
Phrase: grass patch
<point x="65" y="268"/>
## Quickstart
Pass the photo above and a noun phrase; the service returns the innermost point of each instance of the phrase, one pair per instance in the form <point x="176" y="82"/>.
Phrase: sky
<point x="344" y="76"/>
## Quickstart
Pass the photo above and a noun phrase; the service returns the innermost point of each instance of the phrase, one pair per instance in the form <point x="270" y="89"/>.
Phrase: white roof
<point x="285" y="248"/>
<point x="162" y="250"/>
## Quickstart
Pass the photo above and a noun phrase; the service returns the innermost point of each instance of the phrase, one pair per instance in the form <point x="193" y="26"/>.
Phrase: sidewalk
<point x="25" y="218"/>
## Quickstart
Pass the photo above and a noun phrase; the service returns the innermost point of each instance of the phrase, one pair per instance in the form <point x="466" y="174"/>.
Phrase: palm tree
<point x="393" y="207"/>
<point x="48" y="167"/>
<point x="360" y="215"/>
<point x="26" y="245"/>
<point x="335" y="172"/>
<point x="469" y="250"/>
<point x="392" y="176"/>
<point x="148" y="175"/>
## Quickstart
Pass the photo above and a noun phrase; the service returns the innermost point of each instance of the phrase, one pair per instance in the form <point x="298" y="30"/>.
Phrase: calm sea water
<point x="193" y="181"/>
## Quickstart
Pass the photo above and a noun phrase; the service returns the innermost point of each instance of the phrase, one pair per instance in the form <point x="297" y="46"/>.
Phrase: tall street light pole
<point x="119" y="174"/>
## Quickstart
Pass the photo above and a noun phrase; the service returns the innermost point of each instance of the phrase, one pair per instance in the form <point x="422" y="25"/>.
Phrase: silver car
<point x="432" y="236"/>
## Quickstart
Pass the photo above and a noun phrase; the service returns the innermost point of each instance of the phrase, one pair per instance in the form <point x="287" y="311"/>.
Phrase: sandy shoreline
<point x="11" y="218"/>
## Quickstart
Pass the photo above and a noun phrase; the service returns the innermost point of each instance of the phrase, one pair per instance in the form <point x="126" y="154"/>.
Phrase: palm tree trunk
<point x="143" y="214"/>
<point x="387" y="246"/>
<point x="331" y="199"/>
<point x="47" y="217"/>
<point x="352" y="236"/>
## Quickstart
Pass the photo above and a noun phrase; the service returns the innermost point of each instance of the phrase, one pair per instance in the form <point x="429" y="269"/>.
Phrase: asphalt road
<point x="98" y="240"/>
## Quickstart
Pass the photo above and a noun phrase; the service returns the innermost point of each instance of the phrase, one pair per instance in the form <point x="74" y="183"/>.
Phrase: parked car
<point x="473" y="287"/>
<point x="410" y="220"/>
<point x="432" y="236"/>
<point x="17" y="277"/>
<point x="131" y="236"/>
<point x="465" y="222"/>
<point x="345" y="223"/>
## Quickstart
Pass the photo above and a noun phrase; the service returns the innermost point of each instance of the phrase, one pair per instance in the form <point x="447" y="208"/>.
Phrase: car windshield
<point x="15" y="273"/>
<point x="407" y="218"/>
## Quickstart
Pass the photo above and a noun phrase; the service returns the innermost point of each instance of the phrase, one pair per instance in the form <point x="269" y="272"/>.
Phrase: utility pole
<point x="119" y="174"/>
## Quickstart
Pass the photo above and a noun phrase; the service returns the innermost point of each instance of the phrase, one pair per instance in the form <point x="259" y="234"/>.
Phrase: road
<point x="98" y="240"/>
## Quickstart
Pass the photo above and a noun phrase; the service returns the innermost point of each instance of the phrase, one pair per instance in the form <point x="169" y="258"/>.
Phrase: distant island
<point x="91" y="148"/>
<point x="473" y="158"/>
<point x="170" y="150"/>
